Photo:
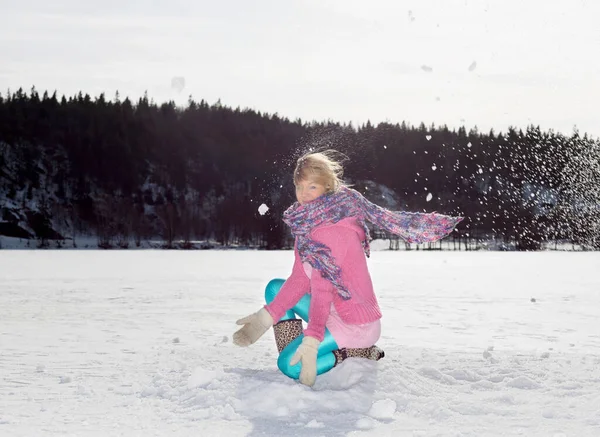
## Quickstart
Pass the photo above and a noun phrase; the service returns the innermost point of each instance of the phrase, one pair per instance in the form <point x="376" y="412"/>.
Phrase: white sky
<point x="345" y="60"/>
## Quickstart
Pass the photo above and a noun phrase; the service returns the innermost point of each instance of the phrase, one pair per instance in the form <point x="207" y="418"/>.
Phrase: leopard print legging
<point x="288" y="330"/>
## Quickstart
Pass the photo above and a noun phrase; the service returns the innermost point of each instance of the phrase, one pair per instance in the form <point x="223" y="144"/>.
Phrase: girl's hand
<point x="255" y="325"/>
<point x="307" y="355"/>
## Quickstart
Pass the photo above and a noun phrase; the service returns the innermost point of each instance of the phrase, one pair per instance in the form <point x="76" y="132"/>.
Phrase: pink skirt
<point x="352" y="336"/>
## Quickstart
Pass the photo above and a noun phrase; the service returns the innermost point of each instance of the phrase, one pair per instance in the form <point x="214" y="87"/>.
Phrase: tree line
<point x="126" y="170"/>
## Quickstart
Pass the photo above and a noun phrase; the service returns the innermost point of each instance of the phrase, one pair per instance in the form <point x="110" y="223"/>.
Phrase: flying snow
<point x="262" y="209"/>
<point x="178" y="83"/>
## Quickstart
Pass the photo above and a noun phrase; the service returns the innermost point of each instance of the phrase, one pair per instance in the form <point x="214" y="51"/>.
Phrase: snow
<point x="178" y="83"/>
<point x="137" y="343"/>
<point x="262" y="209"/>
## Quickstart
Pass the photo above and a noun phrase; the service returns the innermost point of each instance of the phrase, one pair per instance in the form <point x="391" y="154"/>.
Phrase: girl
<point x="330" y="287"/>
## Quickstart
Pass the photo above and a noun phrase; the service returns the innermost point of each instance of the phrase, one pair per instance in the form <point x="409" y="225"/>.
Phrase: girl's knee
<point x="283" y="362"/>
<point x="272" y="289"/>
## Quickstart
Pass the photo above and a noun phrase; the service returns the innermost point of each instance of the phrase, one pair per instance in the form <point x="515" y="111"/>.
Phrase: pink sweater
<point x="344" y="239"/>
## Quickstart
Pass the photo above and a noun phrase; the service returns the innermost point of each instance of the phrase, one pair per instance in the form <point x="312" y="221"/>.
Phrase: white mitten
<point x="255" y="325"/>
<point x="307" y="354"/>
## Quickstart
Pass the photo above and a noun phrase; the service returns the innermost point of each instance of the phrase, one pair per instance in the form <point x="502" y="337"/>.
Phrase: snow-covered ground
<point x="138" y="343"/>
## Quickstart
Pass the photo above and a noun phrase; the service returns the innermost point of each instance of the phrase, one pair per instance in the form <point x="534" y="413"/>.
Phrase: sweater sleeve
<point x="296" y="286"/>
<point x="323" y="291"/>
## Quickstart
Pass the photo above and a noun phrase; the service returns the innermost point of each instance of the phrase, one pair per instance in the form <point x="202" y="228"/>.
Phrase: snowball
<point x="434" y="167"/>
<point x="523" y="383"/>
<point x="383" y="409"/>
<point x="547" y="413"/>
<point x="428" y="137"/>
<point x="262" y="209"/>
<point x="229" y="413"/>
<point x="83" y="391"/>
<point x="201" y="377"/>
<point x="429" y="197"/>
<point x="178" y="83"/>
<point x="314" y="424"/>
<point x="365" y="423"/>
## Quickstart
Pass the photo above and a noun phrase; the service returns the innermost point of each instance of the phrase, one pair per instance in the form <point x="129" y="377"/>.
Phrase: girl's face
<point x="307" y="191"/>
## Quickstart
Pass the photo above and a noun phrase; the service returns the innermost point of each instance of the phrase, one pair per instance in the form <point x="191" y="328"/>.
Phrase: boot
<point x="370" y="353"/>
<point x="286" y="331"/>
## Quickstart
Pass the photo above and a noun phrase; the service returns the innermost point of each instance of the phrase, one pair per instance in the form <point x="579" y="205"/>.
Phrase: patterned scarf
<point x="413" y="227"/>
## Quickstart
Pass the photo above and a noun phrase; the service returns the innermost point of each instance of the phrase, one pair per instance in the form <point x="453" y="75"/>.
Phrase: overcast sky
<point x="490" y="63"/>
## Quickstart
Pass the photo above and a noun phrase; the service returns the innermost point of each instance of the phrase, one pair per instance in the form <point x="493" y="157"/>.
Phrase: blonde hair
<point x="320" y="167"/>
